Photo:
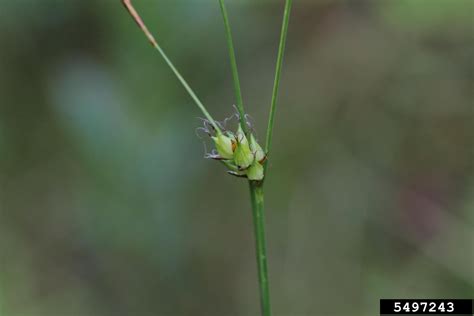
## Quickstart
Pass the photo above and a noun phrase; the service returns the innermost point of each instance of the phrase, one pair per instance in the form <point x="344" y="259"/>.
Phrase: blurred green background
<point x="107" y="206"/>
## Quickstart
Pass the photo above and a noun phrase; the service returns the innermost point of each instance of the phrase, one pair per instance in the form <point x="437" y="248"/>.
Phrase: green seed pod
<point x="240" y="136"/>
<point x="256" y="149"/>
<point x="224" y="146"/>
<point x="255" y="172"/>
<point x="243" y="156"/>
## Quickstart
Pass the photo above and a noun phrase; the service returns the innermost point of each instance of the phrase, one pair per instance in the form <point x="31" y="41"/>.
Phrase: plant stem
<point x="276" y="85"/>
<point x="128" y="5"/>
<point x="256" y="188"/>
<point x="257" y="198"/>
<point x="233" y="65"/>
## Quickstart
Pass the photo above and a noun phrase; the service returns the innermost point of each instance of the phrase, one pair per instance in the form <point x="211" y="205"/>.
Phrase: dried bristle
<point x="128" y="5"/>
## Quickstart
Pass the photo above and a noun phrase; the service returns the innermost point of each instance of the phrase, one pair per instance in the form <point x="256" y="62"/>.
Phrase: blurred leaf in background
<point x="107" y="207"/>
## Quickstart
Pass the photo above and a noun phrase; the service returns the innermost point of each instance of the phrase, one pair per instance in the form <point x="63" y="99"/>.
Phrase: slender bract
<point x="151" y="38"/>
<point x="276" y="84"/>
<point x="233" y="66"/>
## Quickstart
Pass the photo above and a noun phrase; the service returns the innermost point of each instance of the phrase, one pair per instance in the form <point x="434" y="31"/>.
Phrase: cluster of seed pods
<point x="241" y="154"/>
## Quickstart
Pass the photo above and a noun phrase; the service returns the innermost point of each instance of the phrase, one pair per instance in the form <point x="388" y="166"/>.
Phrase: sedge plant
<point x="238" y="150"/>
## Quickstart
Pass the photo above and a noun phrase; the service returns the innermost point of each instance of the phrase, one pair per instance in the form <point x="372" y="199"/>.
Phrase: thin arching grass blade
<point x="128" y="5"/>
<point x="276" y="85"/>
<point x="233" y="65"/>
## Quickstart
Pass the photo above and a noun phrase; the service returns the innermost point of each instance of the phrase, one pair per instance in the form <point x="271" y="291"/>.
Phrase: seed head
<point x="243" y="156"/>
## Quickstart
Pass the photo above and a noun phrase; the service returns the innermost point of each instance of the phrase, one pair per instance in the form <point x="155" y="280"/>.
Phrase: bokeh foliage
<point x="107" y="207"/>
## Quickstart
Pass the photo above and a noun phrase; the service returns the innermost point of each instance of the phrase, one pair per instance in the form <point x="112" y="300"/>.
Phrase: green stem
<point x="276" y="85"/>
<point x="257" y="198"/>
<point x="128" y="5"/>
<point x="187" y="87"/>
<point x="233" y="65"/>
<point x="256" y="188"/>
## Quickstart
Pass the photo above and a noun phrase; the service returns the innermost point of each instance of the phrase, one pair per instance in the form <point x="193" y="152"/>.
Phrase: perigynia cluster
<point x="242" y="155"/>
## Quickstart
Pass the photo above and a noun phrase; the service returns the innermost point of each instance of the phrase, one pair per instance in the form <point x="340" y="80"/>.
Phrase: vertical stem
<point x="257" y="198"/>
<point x="256" y="188"/>
<point x="276" y="85"/>
<point x="233" y="66"/>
